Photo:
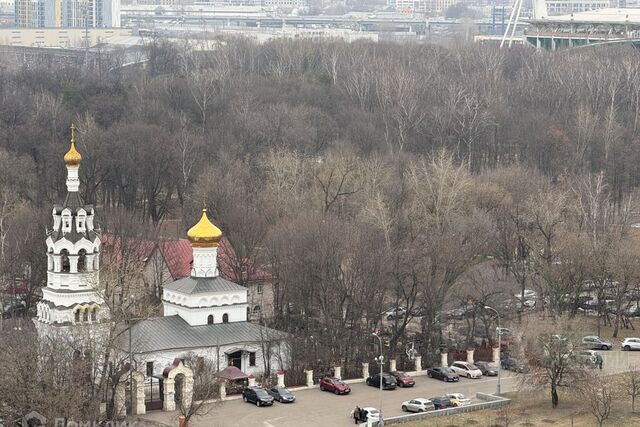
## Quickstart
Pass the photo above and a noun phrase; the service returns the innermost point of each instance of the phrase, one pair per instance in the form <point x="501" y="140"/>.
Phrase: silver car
<point x="631" y="344"/>
<point x="418" y="405"/>
<point x="596" y="343"/>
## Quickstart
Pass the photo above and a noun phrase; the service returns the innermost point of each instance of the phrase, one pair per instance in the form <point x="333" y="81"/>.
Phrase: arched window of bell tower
<point x="85" y="315"/>
<point x="64" y="257"/>
<point x="82" y="260"/>
<point x="94" y="314"/>
<point x="225" y="318"/>
<point x="77" y="316"/>
<point x="210" y="319"/>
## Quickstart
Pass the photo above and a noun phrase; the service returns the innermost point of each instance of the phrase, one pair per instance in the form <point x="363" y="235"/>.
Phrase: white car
<point x="528" y="294"/>
<point x="631" y="344"/>
<point x="466" y="369"/>
<point x="372" y="413"/>
<point x="458" y="399"/>
<point x="418" y="405"/>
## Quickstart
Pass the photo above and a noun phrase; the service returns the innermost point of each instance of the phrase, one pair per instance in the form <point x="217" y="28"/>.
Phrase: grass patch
<point x="533" y="408"/>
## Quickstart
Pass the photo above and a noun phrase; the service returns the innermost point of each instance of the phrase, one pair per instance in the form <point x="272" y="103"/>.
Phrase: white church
<point x="73" y="261"/>
<point x="205" y="316"/>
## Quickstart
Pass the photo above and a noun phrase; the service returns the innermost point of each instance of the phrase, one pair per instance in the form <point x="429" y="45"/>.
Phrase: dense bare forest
<point x="361" y="175"/>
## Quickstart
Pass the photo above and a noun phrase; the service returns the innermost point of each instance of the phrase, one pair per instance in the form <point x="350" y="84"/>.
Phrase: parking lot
<point x="316" y="408"/>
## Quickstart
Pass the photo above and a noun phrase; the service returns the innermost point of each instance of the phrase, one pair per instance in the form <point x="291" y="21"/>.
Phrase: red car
<point x="403" y="379"/>
<point x="335" y="385"/>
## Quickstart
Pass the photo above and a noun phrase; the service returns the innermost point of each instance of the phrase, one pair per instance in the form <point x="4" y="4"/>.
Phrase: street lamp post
<point x="499" y="332"/>
<point x="380" y="360"/>
<point x="131" y="319"/>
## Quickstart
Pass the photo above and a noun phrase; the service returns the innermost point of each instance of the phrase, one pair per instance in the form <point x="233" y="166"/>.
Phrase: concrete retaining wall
<point x="490" y="401"/>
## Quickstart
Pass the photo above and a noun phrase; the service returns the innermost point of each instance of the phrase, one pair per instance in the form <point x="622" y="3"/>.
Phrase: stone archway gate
<point x="186" y="393"/>
<point x="119" y="401"/>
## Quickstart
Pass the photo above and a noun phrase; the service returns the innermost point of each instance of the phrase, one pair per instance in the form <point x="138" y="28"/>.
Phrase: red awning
<point x="233" y="373"/>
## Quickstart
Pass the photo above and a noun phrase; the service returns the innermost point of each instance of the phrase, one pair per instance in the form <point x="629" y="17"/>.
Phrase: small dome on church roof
<point x="72" y="158"/>
<point x="204" y="233"/>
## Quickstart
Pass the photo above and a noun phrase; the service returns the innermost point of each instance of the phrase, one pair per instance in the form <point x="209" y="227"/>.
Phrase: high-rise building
<point x="421" y="6"/>
<point x="67" y="13"/>
<point x="559" y="7"/>
<point x="30" y="13"/>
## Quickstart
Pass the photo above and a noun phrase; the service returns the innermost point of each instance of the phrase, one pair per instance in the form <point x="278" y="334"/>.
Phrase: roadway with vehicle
<point x="315" y="408"/>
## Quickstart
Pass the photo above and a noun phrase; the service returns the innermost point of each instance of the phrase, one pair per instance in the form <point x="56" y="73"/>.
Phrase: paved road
<point x="316" y="408"/>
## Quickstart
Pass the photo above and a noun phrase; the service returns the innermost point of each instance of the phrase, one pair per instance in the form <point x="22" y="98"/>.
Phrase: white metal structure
<point x="539" y="12"/>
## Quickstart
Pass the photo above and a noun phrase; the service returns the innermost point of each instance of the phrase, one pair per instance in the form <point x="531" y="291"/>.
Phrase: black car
<point x="388" y="382"/>
<point x="418" y="311"/>
<point x="282" y="395"/>
<point x="486" y="369"/>
<point x="510" y="364"/>
<point x="257" y="395"/>
<point x="442" y="373"/>
<point x="441" y="402"/>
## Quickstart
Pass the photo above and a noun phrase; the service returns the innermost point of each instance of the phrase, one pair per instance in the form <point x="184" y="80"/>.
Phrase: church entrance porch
<point x="243" y="359"/>
<point x="235" y="359"/>
<point x="235" y="380"/>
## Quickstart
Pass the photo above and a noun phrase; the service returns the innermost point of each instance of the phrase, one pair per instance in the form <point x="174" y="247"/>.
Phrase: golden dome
<point x="72" y="158"/>
<point x="204" y="234"/>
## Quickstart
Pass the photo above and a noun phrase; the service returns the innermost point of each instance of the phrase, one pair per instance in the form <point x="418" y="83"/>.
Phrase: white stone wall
<point x="163" y="359"/>
<point x="199" y="315"/>
<point x="205" y="262"/>
<point x="212" y="299"/>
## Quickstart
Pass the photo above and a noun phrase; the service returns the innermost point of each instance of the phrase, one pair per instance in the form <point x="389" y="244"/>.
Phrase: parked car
<point x="630" y="344"/>
<point x="418" y="311"/>
<point x="589" y="285"/>
<point x="596" y="343"/>
<point x="442" y="373"/>
<point x="505" y="333"/>
<point x="418" y="405"/>
<point x="394" y="313"/>
<point x="17" y="309"/>
<point x="388" y="382"/>
<point x="529" y="294"/>
<point x="282" y="395"/>
<point x="402" y="379"/>
<point x="632" y="310"/>
<point x="588" y="357"/>
<point x="334" y="385"/>
<point x="466" y="369"/>
<point x="441" y="402"/>
<point x="458" y="399"/>
<point x="372" y="414"/>
<point x="510" y="364"/>
<point x="486" y="369"/>
<point x="257" y="395"/>
<point x="461" y="313"/>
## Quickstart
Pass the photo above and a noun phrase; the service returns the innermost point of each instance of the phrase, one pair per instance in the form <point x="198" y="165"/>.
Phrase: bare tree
<point x="206" y="387"/>
<point x="552" y="359"/>
<point x="599" y="393"/>
<point x="632" y="385"/>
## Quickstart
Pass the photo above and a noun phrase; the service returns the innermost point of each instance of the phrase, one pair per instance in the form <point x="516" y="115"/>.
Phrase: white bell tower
<point x="73" y="260"/>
